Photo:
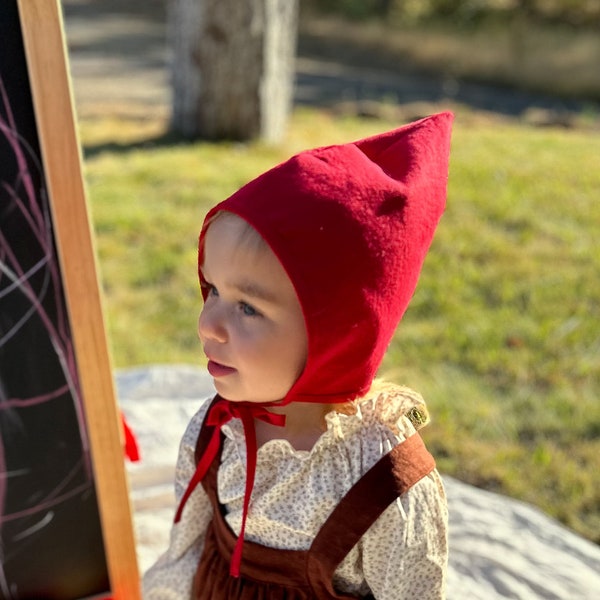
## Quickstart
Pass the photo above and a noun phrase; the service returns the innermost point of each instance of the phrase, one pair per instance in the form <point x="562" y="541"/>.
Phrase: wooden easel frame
<point x="45" y="49"/>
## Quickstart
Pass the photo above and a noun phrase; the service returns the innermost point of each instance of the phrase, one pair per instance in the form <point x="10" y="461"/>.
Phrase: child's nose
<point x="211" y="326"/>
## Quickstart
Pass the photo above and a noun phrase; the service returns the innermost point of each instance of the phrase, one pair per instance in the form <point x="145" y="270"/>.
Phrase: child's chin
<point x="238" y="398"/>
<point x="228" y="394"/>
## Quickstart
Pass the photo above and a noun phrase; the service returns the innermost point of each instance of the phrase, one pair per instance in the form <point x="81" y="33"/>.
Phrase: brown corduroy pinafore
<point x="272" y="574"/>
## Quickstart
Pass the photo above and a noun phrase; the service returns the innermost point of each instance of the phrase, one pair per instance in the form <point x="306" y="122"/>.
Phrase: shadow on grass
<point x="164" y="140"/>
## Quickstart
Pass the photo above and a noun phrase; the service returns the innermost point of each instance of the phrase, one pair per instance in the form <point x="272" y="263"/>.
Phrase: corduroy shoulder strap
<point x="393" y="475"/>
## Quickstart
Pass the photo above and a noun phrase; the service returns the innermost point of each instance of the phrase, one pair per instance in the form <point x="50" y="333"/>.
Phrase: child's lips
<point x="218" y="370"/>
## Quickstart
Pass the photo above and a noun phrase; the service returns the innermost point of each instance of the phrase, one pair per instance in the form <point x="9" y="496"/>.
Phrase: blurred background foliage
<point x="467" y="12"/>
<point x="544" y="46"/>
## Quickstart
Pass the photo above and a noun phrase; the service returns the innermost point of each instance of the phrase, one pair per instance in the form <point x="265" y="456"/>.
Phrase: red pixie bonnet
<point x="351" y="225"/>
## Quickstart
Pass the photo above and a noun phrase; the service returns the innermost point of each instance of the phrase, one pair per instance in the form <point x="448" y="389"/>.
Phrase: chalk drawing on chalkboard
<point x="46" y="478"/>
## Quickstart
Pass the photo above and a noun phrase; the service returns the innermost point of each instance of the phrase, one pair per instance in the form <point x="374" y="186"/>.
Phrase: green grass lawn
<point x="503" y="334"/>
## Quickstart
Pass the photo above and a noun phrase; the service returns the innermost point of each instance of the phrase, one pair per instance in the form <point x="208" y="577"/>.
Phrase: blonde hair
<point x="416" y="410"/>
<point x="378" y="386"/>
<point x="249" y="238"/>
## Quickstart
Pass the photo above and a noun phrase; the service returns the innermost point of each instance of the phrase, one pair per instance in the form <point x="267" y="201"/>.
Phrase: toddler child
<point x="301" y="478"/>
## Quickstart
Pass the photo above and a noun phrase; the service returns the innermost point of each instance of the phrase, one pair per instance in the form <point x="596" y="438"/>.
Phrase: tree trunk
<point x="232" y="67"/>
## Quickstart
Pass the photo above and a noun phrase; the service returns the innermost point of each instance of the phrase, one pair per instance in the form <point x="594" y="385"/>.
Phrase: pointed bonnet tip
<point x="442" y="120"/>
<point x="433" y="128"/>
<point x="421" y="147"/>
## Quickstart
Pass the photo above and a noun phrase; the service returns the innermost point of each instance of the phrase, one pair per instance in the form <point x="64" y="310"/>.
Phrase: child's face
<point x="251" y="326"/>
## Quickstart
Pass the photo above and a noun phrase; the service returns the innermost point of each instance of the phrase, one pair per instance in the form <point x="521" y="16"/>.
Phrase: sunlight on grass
<point x="503" y="334"/>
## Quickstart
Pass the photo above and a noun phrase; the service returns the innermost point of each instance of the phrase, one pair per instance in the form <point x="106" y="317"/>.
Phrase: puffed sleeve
<point x="171" y="577"/>
<point x="405" y="552"/>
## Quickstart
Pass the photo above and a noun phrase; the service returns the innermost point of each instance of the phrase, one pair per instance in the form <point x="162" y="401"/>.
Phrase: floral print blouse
<point x="404" y="553"/>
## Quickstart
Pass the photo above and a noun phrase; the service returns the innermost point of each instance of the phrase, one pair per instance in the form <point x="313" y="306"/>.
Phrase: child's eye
<point x="248" y="310"/>
<point x="211" y="290"/>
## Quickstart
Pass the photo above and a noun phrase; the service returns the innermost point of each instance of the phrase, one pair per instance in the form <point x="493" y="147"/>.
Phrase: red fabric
<point x="351" y="224"/>
<point x="220" y="413"/>
<point x="132" y="451"/>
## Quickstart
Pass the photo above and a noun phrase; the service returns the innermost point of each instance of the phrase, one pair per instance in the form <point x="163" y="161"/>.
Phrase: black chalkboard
<point x="52" y="543"/>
